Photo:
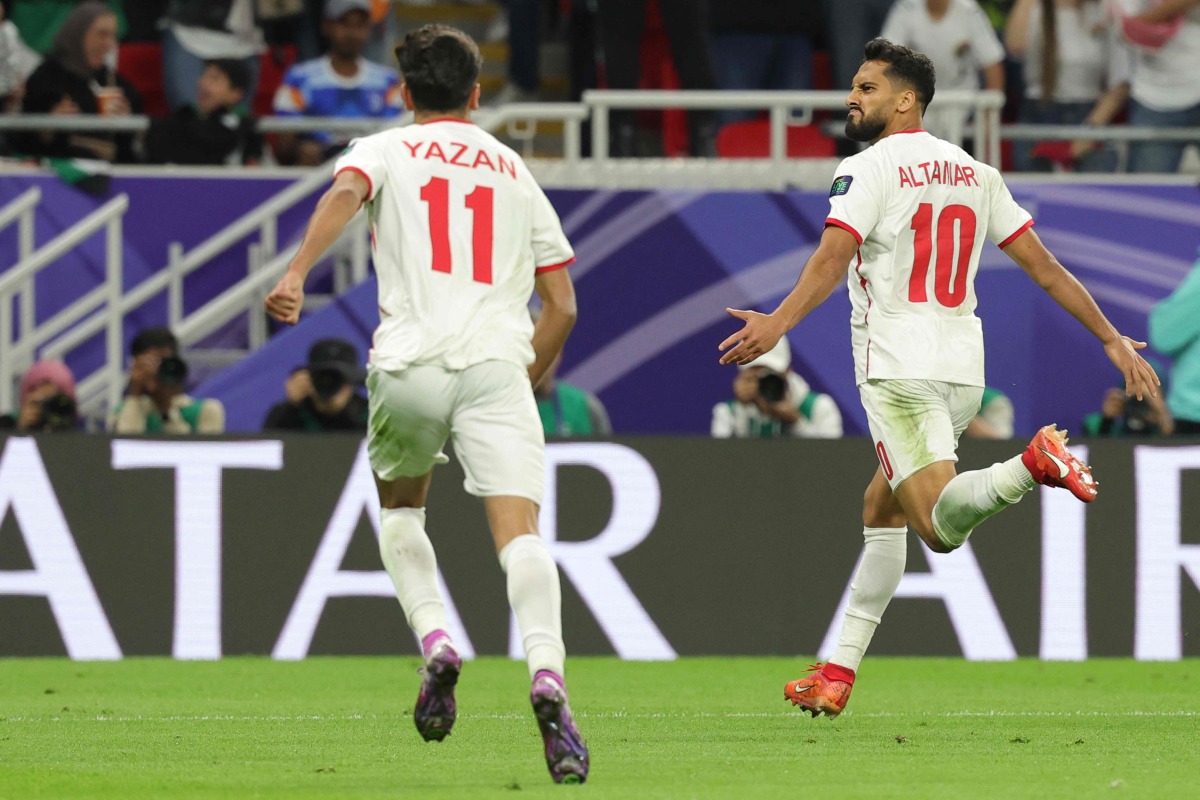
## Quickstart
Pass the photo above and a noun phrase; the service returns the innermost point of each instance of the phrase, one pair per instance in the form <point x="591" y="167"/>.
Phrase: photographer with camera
<point x="155" y="401"/>
<point x="1129" y="416"/>
<point x="322" y="396"/>
<point x="47" y="400"/>
<point x="770" y="400"/>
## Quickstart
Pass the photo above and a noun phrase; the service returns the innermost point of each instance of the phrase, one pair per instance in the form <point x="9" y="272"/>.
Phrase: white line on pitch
<point x="596" y="715"/>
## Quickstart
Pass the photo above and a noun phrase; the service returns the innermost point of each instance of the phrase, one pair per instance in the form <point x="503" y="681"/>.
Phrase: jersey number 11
<point x="479" y="202"/>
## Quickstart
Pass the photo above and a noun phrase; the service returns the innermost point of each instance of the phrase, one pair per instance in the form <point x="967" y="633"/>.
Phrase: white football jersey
<point x="920" y="209"/>
<point x="458" y="229"/>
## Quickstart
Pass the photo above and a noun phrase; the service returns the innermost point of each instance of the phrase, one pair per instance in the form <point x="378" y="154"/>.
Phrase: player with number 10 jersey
<point x="910" y="215"/>
<point x="921" y="210"/>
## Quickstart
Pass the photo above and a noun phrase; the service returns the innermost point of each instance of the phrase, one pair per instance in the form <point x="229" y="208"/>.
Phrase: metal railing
<point x="516" y="120"/>
<point x="18" y="355"/>
<point x="781" y="107"/>
<point x="262" y="220"/>
<point x="20" y="210"/>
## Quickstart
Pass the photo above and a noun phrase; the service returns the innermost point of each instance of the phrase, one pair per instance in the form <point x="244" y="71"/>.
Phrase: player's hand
<point x="286" y="299"/>
<point x="1140" y="378"/>
<point x="760" y="334"/>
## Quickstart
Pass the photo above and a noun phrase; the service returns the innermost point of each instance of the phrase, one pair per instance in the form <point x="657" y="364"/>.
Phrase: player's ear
<point x="473" y="100"/>
<point x="406" y="96"/>
<point x="908" y="99"/>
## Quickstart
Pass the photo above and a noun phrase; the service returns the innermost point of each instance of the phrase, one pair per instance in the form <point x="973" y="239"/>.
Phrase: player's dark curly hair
<point x="441" y="66"/>
<point x="909" y="67"/>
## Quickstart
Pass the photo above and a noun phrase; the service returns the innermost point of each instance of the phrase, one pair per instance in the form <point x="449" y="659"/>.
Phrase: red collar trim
<point x="912" y="130"/>
<point x="449" y="119"/>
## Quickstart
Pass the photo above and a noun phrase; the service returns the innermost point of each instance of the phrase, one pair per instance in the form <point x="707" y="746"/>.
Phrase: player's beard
<point x="865" y="128"/>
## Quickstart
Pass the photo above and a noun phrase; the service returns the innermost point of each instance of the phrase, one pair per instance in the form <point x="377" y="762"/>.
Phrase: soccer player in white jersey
<point x="910" y="215"/>
<point x="462" y="237"/>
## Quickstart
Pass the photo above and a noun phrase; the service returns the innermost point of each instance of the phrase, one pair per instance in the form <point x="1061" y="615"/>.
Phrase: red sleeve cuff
<point x="1015" y="234"/>
<point x="552" y="267"/>
<point x="370" y="186"/>
<point x="844" y="226"/>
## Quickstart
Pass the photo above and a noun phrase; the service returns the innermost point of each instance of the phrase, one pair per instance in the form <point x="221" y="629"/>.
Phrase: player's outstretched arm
<point x="826" y="268"/>
<point x="335" y="208"/>
<point x="558" y="317"/>
<point x="1041" y="265"/>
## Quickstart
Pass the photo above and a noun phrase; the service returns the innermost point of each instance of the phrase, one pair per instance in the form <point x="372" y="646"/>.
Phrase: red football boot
<point x="826" y="690"/>
<point x="1051" y="464"/>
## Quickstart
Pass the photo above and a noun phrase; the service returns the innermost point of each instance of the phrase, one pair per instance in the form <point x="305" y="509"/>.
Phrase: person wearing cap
<point x="770" y="400"/>
<point x="323" y="394"/>
<point x="342" y="83"/>
<point x="158" y="404"/>
<point x="47" y="400"/>
<point x="216" y="129"/>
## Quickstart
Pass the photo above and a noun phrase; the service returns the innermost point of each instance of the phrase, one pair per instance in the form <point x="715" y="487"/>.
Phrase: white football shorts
<point x="916" y="422"/>
<point x="487" y="411"/>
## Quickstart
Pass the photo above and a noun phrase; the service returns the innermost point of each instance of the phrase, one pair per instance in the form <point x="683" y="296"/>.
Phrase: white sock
<point x="536" y="599"/>
<point x="972" y="497"/>
<point x="878" y="575"/>
<point x="408" y="557"/>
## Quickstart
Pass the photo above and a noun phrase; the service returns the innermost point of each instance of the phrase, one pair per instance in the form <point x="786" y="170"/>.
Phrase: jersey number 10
<point x="949" y="284"/>
<point x="437" y="194"/>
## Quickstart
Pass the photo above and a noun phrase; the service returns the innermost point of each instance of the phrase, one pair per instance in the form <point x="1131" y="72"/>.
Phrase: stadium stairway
<point x="251" y="386"/>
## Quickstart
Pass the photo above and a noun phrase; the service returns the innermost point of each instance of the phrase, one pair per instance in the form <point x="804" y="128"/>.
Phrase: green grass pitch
<point x="695" y="728"/>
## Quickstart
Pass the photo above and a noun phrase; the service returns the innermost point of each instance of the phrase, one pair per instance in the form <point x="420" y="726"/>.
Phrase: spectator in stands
<point x="218" y="129"/>
<point x="770" y="400"/>
<point x="47" y="400"/>
<point x="1164" y="88"/>
<point x="1076" y="73"/>
<point x="763" y="44"/>
<point x="158" y="404"/>
<point x="849" y="25"/>
<point x="960" y="41"/>
<point x="686" y="22"/>
<point x="17" y="63"/>
<point x="341" y="84"/>
<point x="40" y="20"/>
<point x="1128" y="416"/>
<point x="77" y="78"/>
<point x="522" y="26"/>
<point x="995" y="417"/>
<point x="198" y="31"/>
<point x="1175" y="332"/>
<point x="323" y="395"/>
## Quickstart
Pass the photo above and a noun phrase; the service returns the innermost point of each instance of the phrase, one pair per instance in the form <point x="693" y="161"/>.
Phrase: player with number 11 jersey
<point x="462" y="236"/>
<point x="460" y="230"/>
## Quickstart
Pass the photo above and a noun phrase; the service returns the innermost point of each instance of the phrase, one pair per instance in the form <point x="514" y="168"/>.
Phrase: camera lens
<point x="327" y="382"/>
<point x="772" y="387"/>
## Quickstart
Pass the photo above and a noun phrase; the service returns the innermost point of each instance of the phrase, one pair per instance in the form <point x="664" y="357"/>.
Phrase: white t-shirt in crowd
<point x="959" y="44"/>
<point x="243" y="39"/>
<point x="459" y="228"/>
<point x="1166" y="79"/>
<point x="920" y="208"/>
<point x="1091" y="55"/>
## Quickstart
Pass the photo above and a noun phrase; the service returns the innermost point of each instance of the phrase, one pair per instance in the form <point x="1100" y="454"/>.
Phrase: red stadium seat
<point x="272" y="66"/>
<point x="140" y="63"/>
<point x="752" y="139"/>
